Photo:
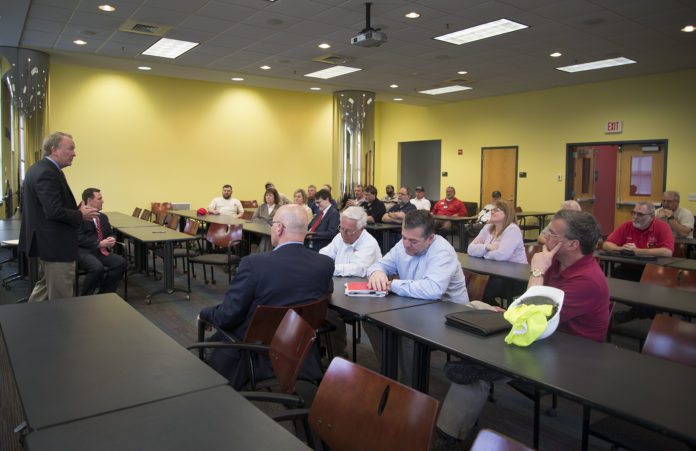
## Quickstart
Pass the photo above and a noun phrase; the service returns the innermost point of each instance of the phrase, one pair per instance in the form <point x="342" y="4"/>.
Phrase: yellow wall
<point x="143" y="138"/>
<point x="541" y="123"/>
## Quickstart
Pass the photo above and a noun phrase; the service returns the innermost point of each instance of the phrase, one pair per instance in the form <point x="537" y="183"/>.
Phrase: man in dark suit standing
<point x="51" y="219"/>
<point x="95" y="240"/>
<point x="325" y="223"/>
<point x="289" y="275"/>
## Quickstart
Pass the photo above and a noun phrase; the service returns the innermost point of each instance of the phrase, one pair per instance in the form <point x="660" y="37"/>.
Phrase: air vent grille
<point x="150" y="29"/>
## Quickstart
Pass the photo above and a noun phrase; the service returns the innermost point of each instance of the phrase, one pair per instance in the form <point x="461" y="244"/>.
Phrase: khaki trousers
<point x="56" y="280"/>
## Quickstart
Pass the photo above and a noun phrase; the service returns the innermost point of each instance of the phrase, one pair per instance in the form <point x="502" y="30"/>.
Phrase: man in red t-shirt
<point x="643" y="235"/>
<point x="449" y="206"/>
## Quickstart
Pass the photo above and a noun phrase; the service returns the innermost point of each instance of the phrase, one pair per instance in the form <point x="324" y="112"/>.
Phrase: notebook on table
<point x="480" y="322"/>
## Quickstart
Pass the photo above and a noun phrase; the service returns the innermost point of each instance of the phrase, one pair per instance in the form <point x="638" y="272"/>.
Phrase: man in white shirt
<point x="679" y="219"/>
<point x="420" y="201"/>
<point x="226" y="205"/>
<point x="353" y="250"/>
<point x="359" y="199"/>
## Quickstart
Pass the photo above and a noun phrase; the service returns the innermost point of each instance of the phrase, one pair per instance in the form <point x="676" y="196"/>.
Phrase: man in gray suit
<point x="51" y="219"/>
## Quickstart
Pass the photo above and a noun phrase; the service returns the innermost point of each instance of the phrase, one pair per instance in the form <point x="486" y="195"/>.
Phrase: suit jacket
<point x="328" y="227"/>
<point x="88" y="239"/>
<point x="290" y="275"/>
<point x="50" y="217"/>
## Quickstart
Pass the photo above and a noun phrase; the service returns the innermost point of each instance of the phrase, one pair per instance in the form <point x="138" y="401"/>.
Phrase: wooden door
<point x="583" y="181"/>
<point x="498" y="173"/>
<point x="640" y="177"/>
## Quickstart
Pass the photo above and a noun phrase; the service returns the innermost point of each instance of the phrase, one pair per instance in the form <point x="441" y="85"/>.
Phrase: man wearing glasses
<point x="566" y="263"/>
<point x="642" y="235"/>
<point x="680" y="220"/>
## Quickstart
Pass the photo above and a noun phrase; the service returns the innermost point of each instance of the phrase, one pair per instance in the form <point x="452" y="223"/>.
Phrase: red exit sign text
<point x="613" y="127"/>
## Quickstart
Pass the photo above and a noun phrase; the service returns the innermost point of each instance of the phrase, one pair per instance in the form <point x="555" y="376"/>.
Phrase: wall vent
<point x="150" y="29"/>
<point x="331" y="59"/>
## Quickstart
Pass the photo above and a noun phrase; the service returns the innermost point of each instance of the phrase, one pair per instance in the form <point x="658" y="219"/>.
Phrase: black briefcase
<point x="480" y="322"/>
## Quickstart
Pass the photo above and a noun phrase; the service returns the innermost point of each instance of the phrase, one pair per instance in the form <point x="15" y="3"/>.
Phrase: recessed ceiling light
<point x="315" y="88"/>
<point x="555" y="54"/>
<point x="107" y="8"/>
<point x="398" y="99"/>
<point x="412" y="15"/>
<point x="264" y="67"/>
<point x="332" y="72"/>
<point x="394" y="85"/>
<point x="462" y="72"/>
<point x="79" y="42"/>
<point x="324" y="45"/>
<point x="602" y="64"/>
<point x="479" y="32"/>
<point x="237" y="79"/>
<point x="445" y="90"/>
<point x="169" y="48"/>
<point x="688" y="29"/>
<point x="144" y="68"/>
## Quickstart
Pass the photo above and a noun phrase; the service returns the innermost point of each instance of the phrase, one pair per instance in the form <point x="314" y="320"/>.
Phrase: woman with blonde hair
<point x="300" y="198"/>
<point x="501" y="238"/>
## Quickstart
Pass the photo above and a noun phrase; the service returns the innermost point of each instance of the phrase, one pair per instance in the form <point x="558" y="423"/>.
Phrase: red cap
<point x="202" y="211"/>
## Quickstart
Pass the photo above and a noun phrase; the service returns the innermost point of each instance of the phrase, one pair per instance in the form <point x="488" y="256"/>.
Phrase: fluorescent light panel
<point x="479" y="32"/>
<point x="445" y="90"/>
<point x="602" y="64"/>
<point x="332" y="72"/>
<point x="169" y="48"/>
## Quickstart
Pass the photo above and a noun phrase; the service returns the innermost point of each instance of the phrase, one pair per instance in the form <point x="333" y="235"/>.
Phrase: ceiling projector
<point x="369" y="37"/>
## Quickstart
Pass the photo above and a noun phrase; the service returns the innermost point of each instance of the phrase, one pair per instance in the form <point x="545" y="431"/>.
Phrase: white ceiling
<point x="239" y="36"/>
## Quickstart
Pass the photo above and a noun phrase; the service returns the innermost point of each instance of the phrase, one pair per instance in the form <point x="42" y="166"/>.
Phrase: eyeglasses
<point x="495" y="210"/>
<point x="348" y="232"/>
<point x="639" y="214"/>
<point x="550" y="234"/>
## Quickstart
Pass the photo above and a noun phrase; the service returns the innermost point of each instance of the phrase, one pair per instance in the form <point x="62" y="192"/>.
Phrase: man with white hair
<point x="566" y="205"/>
<point x="353" y="250"/>
<point x="679" y="219"/>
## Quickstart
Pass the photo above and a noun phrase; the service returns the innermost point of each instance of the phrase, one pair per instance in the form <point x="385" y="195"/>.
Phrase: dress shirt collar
<point x="286" y="243"/>
<point x="52" y="161"/>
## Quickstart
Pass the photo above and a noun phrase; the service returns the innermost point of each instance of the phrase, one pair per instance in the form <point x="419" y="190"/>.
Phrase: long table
<point x="649" y="391"/>
<point x="77" y="358"/>
<point x="210" y="419"/>
<point x="118" y="220"/>
<point x="356" y="308"/>
<point x="385" y="229"/>
<point x="461" y="222"/>
<point x="663" y="299"/>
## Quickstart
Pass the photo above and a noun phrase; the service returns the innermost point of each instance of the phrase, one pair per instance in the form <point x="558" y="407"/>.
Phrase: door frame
<point x="517" y="158"/>
<point x="569" y="158"/>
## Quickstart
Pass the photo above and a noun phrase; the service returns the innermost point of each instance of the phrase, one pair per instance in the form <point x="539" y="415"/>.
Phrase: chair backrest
<point x="356" y="409"/>
<point x="679" y="250"/>
<point x="191" y="227"/>
<point x="289" y="348"/>
<point x="672" y="339"/>
<point x="146" y="214"/>
<point x="265" y="319"/>
<point x="166" y="206"/>
<point x="518" y="209"/>
<point x="487" y="440"/>
<point x="687" y="280"/>
<point x="532" y="249"/>
<point x="160" y="217"/>
<point x="222" y="235"/>
<point x="247" y="215"/>
<point x="475" y="284"/>
<point x="136" y="212"/>
<point x="250" y="204"/>
<point x="154" y="206"/>
<point x="660" y="275"/>
<point x="173" y="222"/>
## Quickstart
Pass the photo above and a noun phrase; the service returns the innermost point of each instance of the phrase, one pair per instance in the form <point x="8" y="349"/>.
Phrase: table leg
<point x="585" y="427"/>
<point x="167" y="273"/>
<point x="390" y="353"/>
<point x="462" y="234"/>
<point x="421" y="367"/>
<point x="385" y="241"/>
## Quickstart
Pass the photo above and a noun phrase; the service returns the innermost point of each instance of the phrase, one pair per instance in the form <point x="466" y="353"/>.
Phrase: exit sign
<point x="613" y="127"/>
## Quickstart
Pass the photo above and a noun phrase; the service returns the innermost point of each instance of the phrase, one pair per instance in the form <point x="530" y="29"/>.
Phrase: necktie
<point x="100" y="236"/>
<point x="316" y="223"/>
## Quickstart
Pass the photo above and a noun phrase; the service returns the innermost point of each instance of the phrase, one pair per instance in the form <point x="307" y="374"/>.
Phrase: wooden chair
<point x="247" y="215"/>
<point x="136" y="212"/>
<point x="655" y="275"/>
<point x="224" y="239"/>
<point x="679" y="250"/>
<point x="490" y="440"/>
<point x="687" y="280"/>
<point x="173" y="222"/>
<point x="191" y="228"/>
<point x="288" y="347"/>
<point x="262" y="328"/>
<point x="475" y="284"/>
<point x="670" y="339"/>
<point x="160" y="217"/>
<point x="146" y="215"/>
<point x="249" y="204"/>
<point x="531" y="249"/>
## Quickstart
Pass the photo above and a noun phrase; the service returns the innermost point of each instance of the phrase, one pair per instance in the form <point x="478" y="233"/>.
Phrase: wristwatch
<point x="536" y="273"/>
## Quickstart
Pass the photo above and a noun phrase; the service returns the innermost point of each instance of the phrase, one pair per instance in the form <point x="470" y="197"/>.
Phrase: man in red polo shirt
<point x="449" y="206"/>
<point x="643" y="235"/>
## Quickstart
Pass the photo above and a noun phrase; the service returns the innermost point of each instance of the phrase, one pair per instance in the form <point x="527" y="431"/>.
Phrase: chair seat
<point x="216" y="259"/>
<point x="181" y="252"/>
<point x="633" y="437"/>
<point x="636" y="328"/>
